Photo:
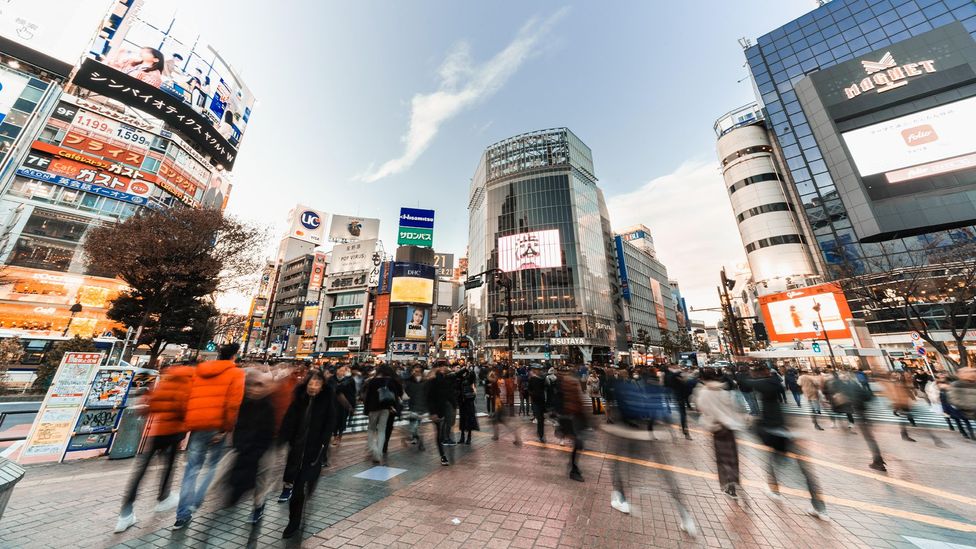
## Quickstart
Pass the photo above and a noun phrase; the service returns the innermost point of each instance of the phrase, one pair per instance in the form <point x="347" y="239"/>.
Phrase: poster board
<point x="62" y="405"/>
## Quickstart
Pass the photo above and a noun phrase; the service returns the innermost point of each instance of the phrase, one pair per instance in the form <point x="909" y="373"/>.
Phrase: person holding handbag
<point x="380" y="399"/>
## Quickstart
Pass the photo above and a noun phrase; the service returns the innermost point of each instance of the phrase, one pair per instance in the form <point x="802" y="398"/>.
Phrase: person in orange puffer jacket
<point x="167" y="404"/>
<point x="211" y="412"/>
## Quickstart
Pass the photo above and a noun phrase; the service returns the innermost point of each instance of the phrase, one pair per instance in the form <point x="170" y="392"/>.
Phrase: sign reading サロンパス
<point x="416" y="228"/>
<point x="59" y="412"/>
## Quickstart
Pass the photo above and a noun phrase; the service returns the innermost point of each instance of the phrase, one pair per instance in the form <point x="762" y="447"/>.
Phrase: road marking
<point x="860" y="505"/>
<point x="866" y="474"/>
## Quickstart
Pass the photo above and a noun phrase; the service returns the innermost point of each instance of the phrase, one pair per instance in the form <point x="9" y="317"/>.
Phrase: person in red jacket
<point x="167" y="405"/>
<point x="211" y="412"/>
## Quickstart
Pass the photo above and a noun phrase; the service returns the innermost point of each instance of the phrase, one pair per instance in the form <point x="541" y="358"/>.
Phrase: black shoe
<point x="449" y="443"/>
<point x="285" y="495"/>
<point x="576" y="475"/>
<point x="420" y="446"/>
<point x="444" y="461"/>
<point x="257" y="514"/>
<point x="290" y="530"/>
<point x="907" y="438"/>
<point x="878" y="466"/>
<point x="181" y="523"/>
<point x="818" y="427"/>
<point x="687" y="436"/>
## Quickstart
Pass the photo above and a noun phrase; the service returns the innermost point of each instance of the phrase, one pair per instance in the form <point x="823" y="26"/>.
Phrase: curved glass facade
<point x="539" y="182"/>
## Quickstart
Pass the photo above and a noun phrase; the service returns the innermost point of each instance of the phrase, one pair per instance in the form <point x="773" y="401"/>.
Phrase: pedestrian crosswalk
<point x="878" y="410"/>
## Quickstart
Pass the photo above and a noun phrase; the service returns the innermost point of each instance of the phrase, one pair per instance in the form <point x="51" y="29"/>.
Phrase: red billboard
<point x="791" y="315"/>
<point x="381" y="323"/>
<point x="101" y="148"/>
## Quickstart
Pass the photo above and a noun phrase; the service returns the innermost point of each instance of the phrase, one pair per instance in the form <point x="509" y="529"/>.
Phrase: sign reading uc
<point x="310" y="220"/>
<point x="416" y="218"/>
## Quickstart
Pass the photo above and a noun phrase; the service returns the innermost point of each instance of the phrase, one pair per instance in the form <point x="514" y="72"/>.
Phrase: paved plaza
<point x="498" y="495"/>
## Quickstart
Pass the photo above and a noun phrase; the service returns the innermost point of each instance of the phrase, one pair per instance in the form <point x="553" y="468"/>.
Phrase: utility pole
<point x="816" y="307"/>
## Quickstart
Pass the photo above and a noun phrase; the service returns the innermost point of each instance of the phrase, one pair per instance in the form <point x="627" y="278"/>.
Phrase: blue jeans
<point x="198" y="451"/>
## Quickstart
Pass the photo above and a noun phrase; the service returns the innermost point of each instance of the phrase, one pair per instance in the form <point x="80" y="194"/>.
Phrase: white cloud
<point x="462" y="84"/>
<point x="690" y="218"/>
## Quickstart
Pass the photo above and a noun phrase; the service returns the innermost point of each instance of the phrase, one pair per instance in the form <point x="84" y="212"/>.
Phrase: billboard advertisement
<point x="531" y="250"/>
<point x="348" y="227"/>
<point x="790" y="315"/>
<point x="444" y="263"/>
<point x="12" y="85"/>
<point x="159" y="64"/>
<point x="413" y="283"/>
<point x="381" y="326"/>
<point x="417" y="321"/>
<point x="307" y="224"/>
<point x="922" y="144"/>
<point x="416" y="228"/>
<point x="352" y="256"/>
<point x="318" y="271"/>
<point x="659" y="310"/>
<point x="31" y="27"/>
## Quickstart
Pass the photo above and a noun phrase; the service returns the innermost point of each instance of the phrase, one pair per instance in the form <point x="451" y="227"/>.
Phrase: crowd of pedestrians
<point x="240" y="422"/>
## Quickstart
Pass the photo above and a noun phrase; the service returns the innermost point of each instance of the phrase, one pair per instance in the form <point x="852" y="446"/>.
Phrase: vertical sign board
<point x="416" y="228"/>
<point x="62" y="405"/>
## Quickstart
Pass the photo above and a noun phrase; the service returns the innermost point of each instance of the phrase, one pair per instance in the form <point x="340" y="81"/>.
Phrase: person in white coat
<point x="721" y="416"/>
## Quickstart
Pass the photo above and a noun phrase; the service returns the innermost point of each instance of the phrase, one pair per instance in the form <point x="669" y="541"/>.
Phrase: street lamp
<point x="816" y="307"/>
<point x="75" y="309"/>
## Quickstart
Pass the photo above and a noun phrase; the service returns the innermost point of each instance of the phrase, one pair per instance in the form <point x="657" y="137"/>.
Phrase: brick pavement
<point x="503" y="496"/>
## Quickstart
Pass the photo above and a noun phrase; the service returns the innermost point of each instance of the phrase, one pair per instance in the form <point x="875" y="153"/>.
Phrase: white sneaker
<point x="821" y="515"/>
<point x="775" y="496"/>
<point x="125" y="522"/>
<point x="618" y="503"/>
<point x="168" y="504"/>
<point x="688" y="525"/>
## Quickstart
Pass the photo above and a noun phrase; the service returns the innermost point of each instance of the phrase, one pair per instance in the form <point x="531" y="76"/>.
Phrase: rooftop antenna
<point x="746" y="43"/>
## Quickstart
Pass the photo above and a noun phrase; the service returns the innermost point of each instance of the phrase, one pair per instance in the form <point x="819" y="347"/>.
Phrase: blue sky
<point x="367" y="106"/>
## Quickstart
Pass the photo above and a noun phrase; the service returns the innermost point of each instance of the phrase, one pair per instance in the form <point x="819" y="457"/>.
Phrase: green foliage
<point x="47" y="369"/>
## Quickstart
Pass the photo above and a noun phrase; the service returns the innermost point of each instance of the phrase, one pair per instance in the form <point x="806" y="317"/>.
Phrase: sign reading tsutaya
<point x="62" y="405"/>
<point x="886" y="74"/>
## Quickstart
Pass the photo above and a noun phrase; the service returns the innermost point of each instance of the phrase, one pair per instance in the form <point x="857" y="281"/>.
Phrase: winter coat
<point x="218" y="388"/>
<point x="593" y="386"/>
<point x="167" y="402"/>
<point x="253" y="435"/>
<point x="371" y="392"/>
<point x="768" y="390"/>
<point x="962" y="395"/>
<point x="899" y="394"/>
<point x="417" y="394"/>
<point x="791" y="381"/>
<point x="440" y="393"/>
<point x="810" y="384"/>
<point x="538" y="390"/>
<point x="717" y="406"/>
<point x="347" y="388"/>
<point x="307" y="428"/>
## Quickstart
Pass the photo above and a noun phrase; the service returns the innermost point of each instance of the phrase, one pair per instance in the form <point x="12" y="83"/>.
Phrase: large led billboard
<point x="351" y="227"/>
<point x="922" y="144"/>
<point x="790" y="315"/>
<point x="531" y="250"/>
<point x="50" y="34"/>
<point x="413" y="283"/>
<point x="159" y="64"/>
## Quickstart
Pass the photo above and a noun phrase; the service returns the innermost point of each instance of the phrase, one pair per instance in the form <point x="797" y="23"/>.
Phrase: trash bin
<point x="10" y="475"/>
<point x="128" y="434"/>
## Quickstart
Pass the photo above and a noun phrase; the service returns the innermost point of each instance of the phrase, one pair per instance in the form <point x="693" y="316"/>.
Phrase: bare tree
<point x="929" y="290"/>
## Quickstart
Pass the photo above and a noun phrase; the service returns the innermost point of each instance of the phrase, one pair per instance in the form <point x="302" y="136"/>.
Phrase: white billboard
<point x="531" y="250"/>
<point x="350" y="227"/>
<point x="62" y="29"/>
<point x="307" y="224"/>
<point x="921" y="144"/>
<point x="352" y="256"/>
<point x="12" y="85"/>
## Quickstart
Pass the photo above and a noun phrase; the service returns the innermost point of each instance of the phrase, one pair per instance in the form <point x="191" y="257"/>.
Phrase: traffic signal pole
<point x="816" y="307"/>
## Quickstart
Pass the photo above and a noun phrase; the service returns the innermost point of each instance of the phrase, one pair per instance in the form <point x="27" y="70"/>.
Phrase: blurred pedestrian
<point x="572" y="421"/>
<point x="306" y="429"/>
<point x="522" y="382"/>
<point x="379" y="401"/>
<point x="900" y="395"/>
<point x="211" y="413"/>
<point x="440" y="391"/>
<point x="721" y="417"/>
<point x="792" y="383"/>
<point x="678" y="383"/>
<point x="502" y="412"/>
<point x="467" y="413"/>
<point x="811" y="383"/>
<point x="593" y="390"/>
<point x="253" y="436"/>
<point x="951" y="412"/>
<point x="962" y="392"/>
<point x="415" y="391"/>
<point x="491" y="392"/>
<point x="745" y="389"/>
<point x="166" y="404"/>
<point x="346" y="389"/>
<point x="537" y="392"/>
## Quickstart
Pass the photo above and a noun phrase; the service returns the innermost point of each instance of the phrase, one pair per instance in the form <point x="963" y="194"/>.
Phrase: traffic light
<point x="493" y="329"/>
<point x="528" y="330"/>
<point x="759" y="330"/>
<point x="815" y="347"/>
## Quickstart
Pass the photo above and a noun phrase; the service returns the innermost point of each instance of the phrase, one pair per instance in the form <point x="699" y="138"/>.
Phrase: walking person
<point x="491" y="392"/>
<point x="522" y="381"/>
<point x="721" y="417"/>
<point x="306" y="429"/>
<point x="951" y="412"/>
<point x="440" y="391"/>
<point x="901" y="396"/>
<point x="379" y="401"/>
<point x="742" y="380"/>
<point x="211" y="413"/>
<point x="857" y="398"/>
<point x="415" y="391"/>
<point x="508" y="376"/>
<point x="593" y="391"/>
<point x="467" y="413"/>
<point x="502" y="412"/>
<point x="345" y="388"/>
<point x="249" y="463"/>
<point x="773" y="432"/>
<point x="166" y="405"/>
<point x="537" y="392"/>
<point x="572" y="420"/>
<point x="792" y="383"/>
<point x="962" y="394"/>
<point x="810" y="383"/>
<point x="677" y="382"/>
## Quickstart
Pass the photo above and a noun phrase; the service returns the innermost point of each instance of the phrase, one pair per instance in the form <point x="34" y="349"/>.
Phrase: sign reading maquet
<point x="416" y="228"/>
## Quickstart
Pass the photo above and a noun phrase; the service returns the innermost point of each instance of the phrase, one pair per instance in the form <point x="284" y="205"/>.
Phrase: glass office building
<point x="537" y="214"/>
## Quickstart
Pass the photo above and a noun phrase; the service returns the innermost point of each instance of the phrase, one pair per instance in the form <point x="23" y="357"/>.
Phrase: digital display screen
<point x="791" y="315"/>
<point x="531" y="250"/>
<point x="923" y="144"/>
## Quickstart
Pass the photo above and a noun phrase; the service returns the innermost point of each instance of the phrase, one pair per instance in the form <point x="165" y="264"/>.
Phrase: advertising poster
<point x="307" y="224"/>
<point x="416" y="228"/>
<point x="61" y="407"/>
<point x="41" y="27"/>
<point x="349" y="227"/>
<point x="109" y="388"/>
<point x="381" y="318"/>
<point x="352" y="256"/>
<point x="413" y="283"/>
<point x="531" y="250"/>
<point x="659" y="311"/>
<point x="790" y="315"/>
<point x="417" y="319"/>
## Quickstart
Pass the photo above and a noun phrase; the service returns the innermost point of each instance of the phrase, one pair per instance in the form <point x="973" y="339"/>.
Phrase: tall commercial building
<point x="870" y="105"/>
<point x="772" y="236"/>
<point x="538" y="217"/>
<point x="90" y="142"/>
<point x="645" y="288"/>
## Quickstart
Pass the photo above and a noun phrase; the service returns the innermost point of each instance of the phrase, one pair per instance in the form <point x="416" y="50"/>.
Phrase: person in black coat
<point x="540" y="397"/>
<point x="440" y="396"/>
<point x="253" y="436"/>
<point x="347" y="389"/>
<point x="466" y="395"/>
<point x="306" y="428"/>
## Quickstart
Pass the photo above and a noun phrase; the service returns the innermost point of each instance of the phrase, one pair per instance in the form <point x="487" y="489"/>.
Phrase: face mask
<point x="636" y="376"/>
<point x="417" y="378"/>
<point x="347" y="374"/>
